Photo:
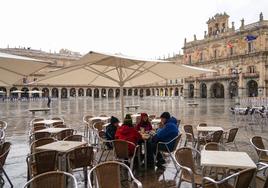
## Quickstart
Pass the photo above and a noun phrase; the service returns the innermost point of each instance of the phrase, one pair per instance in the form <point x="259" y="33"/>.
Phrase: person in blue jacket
<point x="166" y="133"/>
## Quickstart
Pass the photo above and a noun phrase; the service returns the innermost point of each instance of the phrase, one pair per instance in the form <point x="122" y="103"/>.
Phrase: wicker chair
<point x="263" y="167"/>
<point x="97" y="127"/>
<point x="81" y="157"/>
<point x="257" y="143"/>
<point x="242" y="180"/>
<point x="120" y="148"/>
<point x="64" y="133"/>
<point x="36" y="120"/>
<point x="104" y="145"/>
<point x="58" y="118"/>
<point x="4" y="150"/>
<point x="105" y="179"/>
<point x="54" y="179"/>
<point x="203" y="125"/>
<point x="3" y="125"/>
<point x="75" y="137"/>
<point x="86" y="120"/>
<point x="2" y="136"/>
<point x="103" y="115"/>
<point x="40" y="162"/>
<point x="188" y="129"/>
<point x="185" y="160"/>
<point x="59" y="125"/>
<point x="41" y="142"/>
<point x="38" y="135"/>
<point x="214" y="146"/>
<point x="176" y="141"/>
<point x="37" y="128"/>
<point x="229" y="137"/>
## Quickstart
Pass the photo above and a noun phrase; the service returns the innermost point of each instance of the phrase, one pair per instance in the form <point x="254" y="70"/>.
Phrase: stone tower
<point x="218" y="24"/>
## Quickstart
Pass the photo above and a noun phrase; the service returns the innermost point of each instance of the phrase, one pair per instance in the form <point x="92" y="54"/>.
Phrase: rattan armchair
<point x="190" y="137"/>
<point x="54" y="179"/>
<point x="257" y="143"/>
<point x="75" y="137"/>
<point x="229" y="137"/>
<point x="40" y="162"/>
<point x="185" y="159"/>
<point x="166" y="149"/>
<point x="105" y="179"/>
<point x="86" y="120"/>
<point x="81" y="157"/>
<point x="242" y="180"/>
<point x="120" y="148"/>
<point x="263" y="167"/>
<point x="4" y="150"/>
<point x="104" y="145"/>
<point x="64" y="133"/>
<point x="38" y="135"/>
<point x="41" y="142"/>
<point x="3" y="125"/>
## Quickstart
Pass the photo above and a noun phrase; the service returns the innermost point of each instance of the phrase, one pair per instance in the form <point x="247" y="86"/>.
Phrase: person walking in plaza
<point x="144" y="123"/>
<point x="129" y="133"/>
<point x="168" y="131"/>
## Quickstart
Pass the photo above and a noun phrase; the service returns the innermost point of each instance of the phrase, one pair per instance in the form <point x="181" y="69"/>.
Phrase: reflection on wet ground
<point x="211" y="111"/>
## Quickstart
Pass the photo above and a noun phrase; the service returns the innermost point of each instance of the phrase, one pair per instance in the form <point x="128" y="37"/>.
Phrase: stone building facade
<point x="238" y="55"/>
<point x="66" y="57"/>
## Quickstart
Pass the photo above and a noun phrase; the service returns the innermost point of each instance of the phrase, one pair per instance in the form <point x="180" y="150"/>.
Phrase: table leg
<point x="197" y="144"/>
<point x="145" y="154"/>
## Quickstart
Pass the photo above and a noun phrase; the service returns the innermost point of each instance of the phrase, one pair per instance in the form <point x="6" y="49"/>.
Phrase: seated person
<point x="144" y="123"/>
<point x="111" y="130"/>
<point x="165" y="134"/>
<point x="129" y="133"/>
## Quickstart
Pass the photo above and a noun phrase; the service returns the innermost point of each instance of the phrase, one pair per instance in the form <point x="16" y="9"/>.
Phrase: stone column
<point x="100" y="91"/>
<point x="50" y="92"/>
<point x="261" y="85"/>
<point x="196" y="89"/>
<point x="85" y="92"/>
<point x="241" y="88"/>
<point x="68" y="92"/>
<point x="59" y="89"/>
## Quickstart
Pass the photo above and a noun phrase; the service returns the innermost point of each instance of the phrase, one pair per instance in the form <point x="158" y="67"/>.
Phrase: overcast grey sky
<point x="141" y="28"/>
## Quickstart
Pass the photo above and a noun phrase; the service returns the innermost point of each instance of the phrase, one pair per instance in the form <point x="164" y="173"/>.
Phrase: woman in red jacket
<point x="144" y="123"/>
<point x="129" y="133"/>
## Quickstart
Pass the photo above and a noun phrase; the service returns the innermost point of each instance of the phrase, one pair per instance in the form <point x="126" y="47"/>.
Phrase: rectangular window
<point x="250" y="47"/>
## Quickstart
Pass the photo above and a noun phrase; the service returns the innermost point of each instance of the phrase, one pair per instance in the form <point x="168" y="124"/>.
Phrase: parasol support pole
<point x="122" y="102"/>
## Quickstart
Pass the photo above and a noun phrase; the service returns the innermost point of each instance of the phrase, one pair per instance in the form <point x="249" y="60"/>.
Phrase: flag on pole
<point x="251" y="38"/>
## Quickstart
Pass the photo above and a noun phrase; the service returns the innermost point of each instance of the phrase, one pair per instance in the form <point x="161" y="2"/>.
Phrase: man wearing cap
<point x="165" y="134"/>
<point x="111" y="128"/>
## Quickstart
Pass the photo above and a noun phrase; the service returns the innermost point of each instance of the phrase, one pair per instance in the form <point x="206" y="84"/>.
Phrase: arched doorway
<point x="96" y="93"/>
<point x="89" y="92"/>
<point x="4" y="94"/>
<point x="35" y="95"/>
<point x="25" y="93"/>
<point x="13" y="95"/>
<point x="203" y="90"/>
<point x="176" y="91"/>
<point x="166" y="91"/>
<point x="45" y="92"/>
<point x="148" y="92"/>
<point x="135" y="92"/>
<point x="191" y="91"/>
<point x="80" y="92"/>
<point x="103" y="93"/>
<point x="217" y="90"/>
<point x="171" y="92"/>
<point x="157" y="92"/>
<point x="110" y="93"/>
<point x="124" y="92"/>
<point x="117" y="93"/>
<point x="55" y="93"/>
<point x="141" y="92"/>
<point x="129" y="92"/>
<point x="72" y="92"/>
<point x="252" y="88"/>
<point x="64" y="93"/>
<point x="233" y="89"/>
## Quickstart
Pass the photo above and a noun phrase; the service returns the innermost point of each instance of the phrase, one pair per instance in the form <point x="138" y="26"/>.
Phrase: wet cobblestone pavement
<point x="211" y="111"/>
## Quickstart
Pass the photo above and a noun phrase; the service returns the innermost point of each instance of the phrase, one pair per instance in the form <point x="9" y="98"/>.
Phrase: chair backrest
<point x="36" y="120"/>
<point x="184" y="157"/>
<point x="257" y="142"/>
<point x="98" y="125"/>
<point x="80" y="157"/>
<point x="213" y="146"/>
<point x="121" y="148"/>
<point x="244" y="178"/>
<point x="37" y="128"/>
<point x="3" y="125"/>
<point x="64" y="133"/>
<point x="202" y="125"/>
<point x="74" y="137"/>
<point x="58" y="118"/>
<point x="231" y="135"/>
<point x="92" y="122"/>
<point x="43" y="161"/>
<point x="106" y="179"/>
<point x="103" y="115"/>
<point x="38" y="124"/>
<point x="4" y="150"/>
<point x="176" y="140"/>
<point x="55" y="179"/>
<point x="216" y="136"/>
<point x="86" y="118"/>
<point x="188" y="129"/>
<point x="39" y="135"/>
<point x="41" y="142"/>
<point x="60" y="125"/>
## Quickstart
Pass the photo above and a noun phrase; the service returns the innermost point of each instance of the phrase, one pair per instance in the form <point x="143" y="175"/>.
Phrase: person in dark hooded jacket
<point x="129" y="133"/>
<point x="165" y="134"/>
<point x="111" y="128"/>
